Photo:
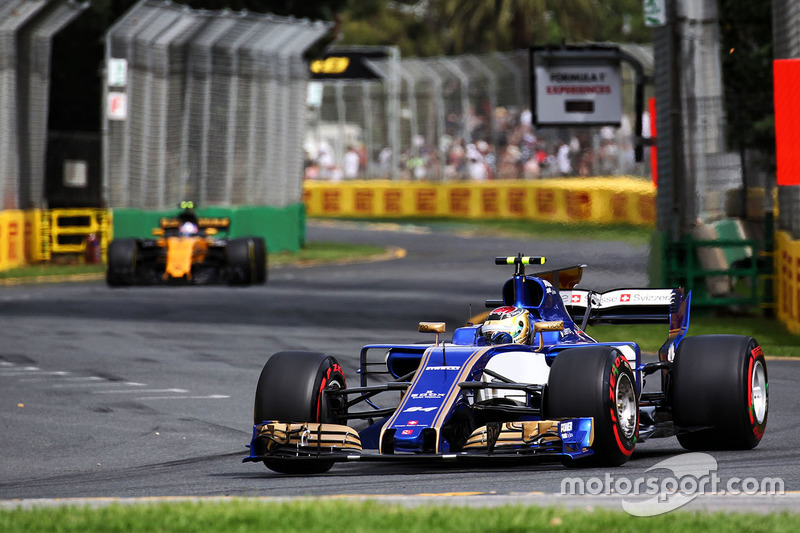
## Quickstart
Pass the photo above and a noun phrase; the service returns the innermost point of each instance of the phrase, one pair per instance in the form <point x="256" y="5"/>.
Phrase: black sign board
<point x="346" y="64"/>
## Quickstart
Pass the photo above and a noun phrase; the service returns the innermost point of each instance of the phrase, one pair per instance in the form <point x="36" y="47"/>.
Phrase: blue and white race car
<point x="528" y="381"/>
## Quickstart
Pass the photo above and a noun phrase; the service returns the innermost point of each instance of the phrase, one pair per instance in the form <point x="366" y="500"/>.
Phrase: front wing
<point x="571" y="438"/>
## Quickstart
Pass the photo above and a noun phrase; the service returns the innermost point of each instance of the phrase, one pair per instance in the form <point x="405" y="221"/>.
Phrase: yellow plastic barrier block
<point x="787" y="266"/>
<point x="12" y="239"/>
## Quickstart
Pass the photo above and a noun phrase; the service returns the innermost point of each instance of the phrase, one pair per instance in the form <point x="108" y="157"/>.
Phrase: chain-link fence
<point x="27" y="28"/>
<point x="458" y="117"/>
<point x="205" y="105"/>
<point x="34" y="59"/>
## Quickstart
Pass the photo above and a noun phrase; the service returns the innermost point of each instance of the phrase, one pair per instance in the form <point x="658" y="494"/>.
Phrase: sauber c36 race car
<point x="528" y="381"/>
<point x="187" y="250"/>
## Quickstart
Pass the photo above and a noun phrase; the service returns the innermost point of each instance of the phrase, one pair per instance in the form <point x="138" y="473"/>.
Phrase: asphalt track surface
<point x="147" y="392"/>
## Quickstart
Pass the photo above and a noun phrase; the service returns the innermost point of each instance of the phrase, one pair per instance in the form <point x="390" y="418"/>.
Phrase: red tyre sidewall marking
<point x="612" y="382"/>
<point x="750" y="408"/>
<point x="325" y="379"/>
<point x="754" y="354"/>
<point x="321" y="388"/>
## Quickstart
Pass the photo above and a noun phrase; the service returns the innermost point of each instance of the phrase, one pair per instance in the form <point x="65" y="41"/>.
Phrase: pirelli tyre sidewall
<point x="292" y="388"/>
<point x="719" y="392"/>
<point x="596" y="381"/>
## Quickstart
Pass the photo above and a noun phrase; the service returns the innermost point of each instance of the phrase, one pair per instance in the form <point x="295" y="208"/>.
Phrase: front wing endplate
<point x="307" y="439"/>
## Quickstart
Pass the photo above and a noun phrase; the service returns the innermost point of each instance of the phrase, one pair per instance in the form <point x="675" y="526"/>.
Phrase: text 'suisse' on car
<point x="188" y="249"/>
<point x="528" y="381"/>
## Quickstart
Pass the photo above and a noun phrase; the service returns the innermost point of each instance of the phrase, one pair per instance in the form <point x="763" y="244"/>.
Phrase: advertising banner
<point x="617" y="200"/>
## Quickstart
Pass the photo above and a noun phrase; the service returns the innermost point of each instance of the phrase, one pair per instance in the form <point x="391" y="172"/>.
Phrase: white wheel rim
<point x="758" y="392"/>
<point x="626" y="405"/>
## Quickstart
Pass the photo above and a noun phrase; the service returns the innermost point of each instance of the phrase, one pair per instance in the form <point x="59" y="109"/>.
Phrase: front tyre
<point x="292" y="388"/>
<point x="598" y="382"/>
<point x="246" y="261"/>
<point x="122" y="259"/>
<point x="720" y="392"/>
<point x="260" y="260"/>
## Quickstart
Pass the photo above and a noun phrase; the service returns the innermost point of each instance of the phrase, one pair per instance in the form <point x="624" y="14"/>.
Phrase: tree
<point x="441" y="27"/>
<point x="381" y="23"/>
<point x="317" y="10"/>
<point x="485" y="25"/>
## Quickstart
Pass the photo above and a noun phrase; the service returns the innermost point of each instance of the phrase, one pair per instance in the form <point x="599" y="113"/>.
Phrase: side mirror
<point x="541" y="327"/>
<point x="432" y="327"/>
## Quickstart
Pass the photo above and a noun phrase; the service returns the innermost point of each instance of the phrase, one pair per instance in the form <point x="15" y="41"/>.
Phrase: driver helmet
<point x="506" y="325"/>
<point x="188" y="228"/>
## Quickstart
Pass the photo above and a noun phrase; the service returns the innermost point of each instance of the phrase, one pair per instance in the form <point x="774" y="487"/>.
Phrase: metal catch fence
<point x="205" y="105"/>
<point x="27" y="28"/>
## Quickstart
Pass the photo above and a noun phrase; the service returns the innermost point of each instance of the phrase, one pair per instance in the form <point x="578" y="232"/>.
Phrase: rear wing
<point x="622" y="306"/>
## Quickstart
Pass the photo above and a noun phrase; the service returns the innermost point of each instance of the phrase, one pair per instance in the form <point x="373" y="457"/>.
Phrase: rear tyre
<point x="122" y="258"/>
<point x="597" y="381"/>
<point x="291" y="389"/>
<point x="238" y="259"/>
<point x="720" y="392"/>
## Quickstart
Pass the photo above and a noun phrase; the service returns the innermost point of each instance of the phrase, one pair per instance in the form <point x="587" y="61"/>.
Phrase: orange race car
<point x="189" y="250"/>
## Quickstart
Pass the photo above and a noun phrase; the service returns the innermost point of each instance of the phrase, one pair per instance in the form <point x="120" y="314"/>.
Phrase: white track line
<point x="99" y="382"/>
<point x="139" y="391"/>
<point x="12" y="374"/>
<point x="209" y="397"/>
<point x="24" y="370"/>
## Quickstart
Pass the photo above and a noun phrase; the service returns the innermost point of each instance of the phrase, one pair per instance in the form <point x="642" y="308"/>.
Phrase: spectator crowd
<point x="509" y="147"/>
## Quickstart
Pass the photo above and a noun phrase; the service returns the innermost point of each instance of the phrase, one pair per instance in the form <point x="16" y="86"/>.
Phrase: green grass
<point x="540" y="230"/>
<point x="314" y="516"/>
<point x="44" y="270"/>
